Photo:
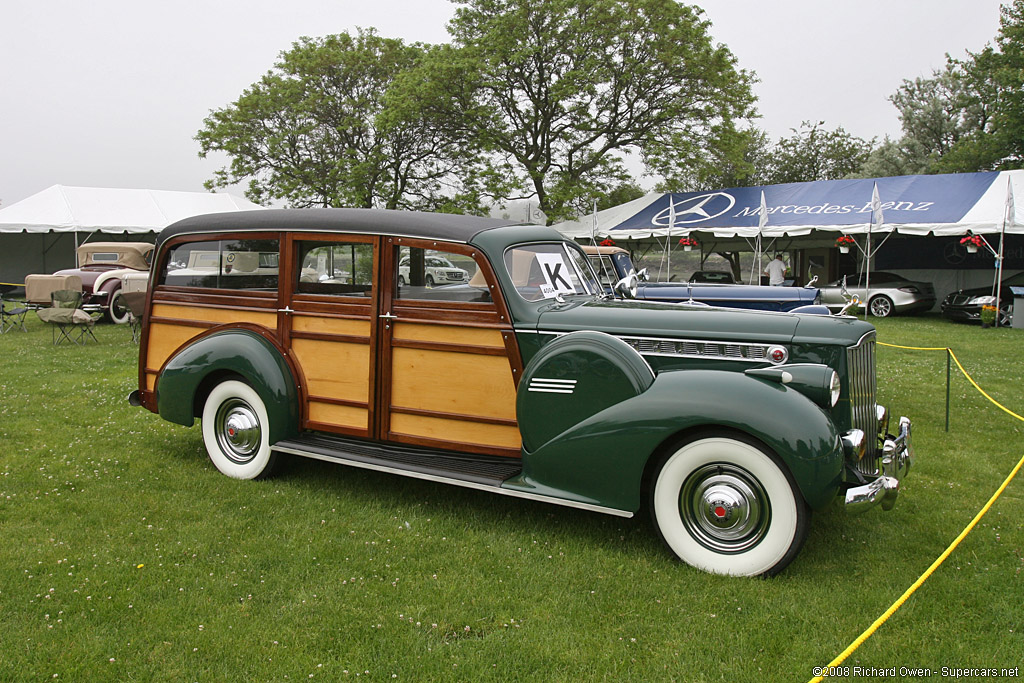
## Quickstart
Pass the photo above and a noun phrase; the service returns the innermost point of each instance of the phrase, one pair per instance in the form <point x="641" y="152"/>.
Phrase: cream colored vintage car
<point x="103" y="267"/>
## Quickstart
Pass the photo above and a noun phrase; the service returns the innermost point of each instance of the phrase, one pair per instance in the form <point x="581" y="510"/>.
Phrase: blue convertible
<point x="613" y="265"/>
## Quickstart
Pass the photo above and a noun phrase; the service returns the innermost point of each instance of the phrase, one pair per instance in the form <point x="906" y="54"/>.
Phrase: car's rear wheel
<point x="235" y="431"/>
<point x="728" y="506"/>
<point x="881" y="306"/>
<point x="117" y="310"/>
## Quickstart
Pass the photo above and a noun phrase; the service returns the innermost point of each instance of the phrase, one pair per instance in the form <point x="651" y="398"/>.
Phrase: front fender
<point x="111" y="279"/>
<point x="238" y="352"/>
<point x="602" y="459"/>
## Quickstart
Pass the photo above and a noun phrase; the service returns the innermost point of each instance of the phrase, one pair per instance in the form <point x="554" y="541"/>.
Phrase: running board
<point x="483" y="473"/>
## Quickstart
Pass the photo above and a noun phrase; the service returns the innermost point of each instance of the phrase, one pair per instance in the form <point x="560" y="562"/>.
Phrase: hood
<point x="648" y="319"/>
<point x="88" y="275"/>
<point x="706" y="291"/>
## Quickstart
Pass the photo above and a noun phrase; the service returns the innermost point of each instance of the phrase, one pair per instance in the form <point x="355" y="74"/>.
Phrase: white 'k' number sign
<point x="557" y="275"/>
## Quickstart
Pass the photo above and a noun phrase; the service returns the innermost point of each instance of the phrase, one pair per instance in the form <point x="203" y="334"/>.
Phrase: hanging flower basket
<point x="972" y="243"/>
<point x="606" y="242"/>
<point x="844" y="243"/>
<point x="688" y="243"/>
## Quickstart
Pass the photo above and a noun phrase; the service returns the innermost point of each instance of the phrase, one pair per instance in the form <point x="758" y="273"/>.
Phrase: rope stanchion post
<point x="949" y="364"/>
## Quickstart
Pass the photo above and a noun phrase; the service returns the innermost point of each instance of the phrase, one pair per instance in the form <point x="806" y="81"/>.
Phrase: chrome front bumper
<point x="896" y="459"/>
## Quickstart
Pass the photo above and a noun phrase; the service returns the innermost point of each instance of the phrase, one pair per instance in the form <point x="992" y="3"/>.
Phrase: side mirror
<point x="643" y="276"/>
<point x="627" y="286"/>
<point x="811" y="283"/>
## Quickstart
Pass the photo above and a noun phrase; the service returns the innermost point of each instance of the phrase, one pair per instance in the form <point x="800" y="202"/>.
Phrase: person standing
<point x="776" y="272"/>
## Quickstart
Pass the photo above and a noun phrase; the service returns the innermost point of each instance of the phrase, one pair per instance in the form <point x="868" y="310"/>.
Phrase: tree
<point x="319" y="130"/>
<point x="626" y="192"/>
<point x="564" y="88"/>
<point x="994" y="79"/>
<point x="936" y="114"/>
<point x="740" y="159"/>
<point x="967" y="117"/>
<point x="814" y="153"/>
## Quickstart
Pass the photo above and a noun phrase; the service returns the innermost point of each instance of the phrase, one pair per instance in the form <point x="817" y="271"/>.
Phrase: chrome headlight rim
<point x="835" y="389"/>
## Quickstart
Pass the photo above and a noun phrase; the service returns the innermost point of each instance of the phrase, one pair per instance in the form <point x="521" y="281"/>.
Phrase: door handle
<point x="388" y="316"/>
<point x="286" y="310"/>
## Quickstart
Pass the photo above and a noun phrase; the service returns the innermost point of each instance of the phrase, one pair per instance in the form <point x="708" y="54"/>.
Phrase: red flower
<point x="845" y="241"/>
<point x="607" y="242"/>
<point x="975" y="240"/>
<point x="688" y="242"/>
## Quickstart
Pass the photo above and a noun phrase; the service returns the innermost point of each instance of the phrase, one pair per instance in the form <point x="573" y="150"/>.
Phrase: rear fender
<point x="233" y="352"/>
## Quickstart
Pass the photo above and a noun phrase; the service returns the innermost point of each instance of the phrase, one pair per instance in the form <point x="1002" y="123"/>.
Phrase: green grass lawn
<point x="126" y="556"/>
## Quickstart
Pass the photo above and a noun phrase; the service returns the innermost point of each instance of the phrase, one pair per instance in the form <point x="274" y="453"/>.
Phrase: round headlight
<point x="834" y="388"/>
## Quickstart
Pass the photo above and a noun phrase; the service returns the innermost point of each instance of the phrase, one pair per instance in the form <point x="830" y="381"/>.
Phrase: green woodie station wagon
<point x="317" y="333"/>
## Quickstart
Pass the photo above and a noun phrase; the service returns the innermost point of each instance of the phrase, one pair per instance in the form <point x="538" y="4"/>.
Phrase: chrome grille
<point x="698" y="349"/>
<point x="860" y="360"/>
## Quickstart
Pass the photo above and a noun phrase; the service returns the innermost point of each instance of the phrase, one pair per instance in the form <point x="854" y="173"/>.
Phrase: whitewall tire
<point x="117" y="309"/>
<point x="728" y="506"/>
<point x="235" y="431"/>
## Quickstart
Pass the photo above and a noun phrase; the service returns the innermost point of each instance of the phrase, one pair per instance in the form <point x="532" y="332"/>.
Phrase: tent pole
<point x="1007" y="215"/>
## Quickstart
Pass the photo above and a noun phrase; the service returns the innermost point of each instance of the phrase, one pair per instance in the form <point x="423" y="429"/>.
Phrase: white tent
<point x="39" y="234"/>
<point x="951" y="204"/>
<point x="111" y="210"/>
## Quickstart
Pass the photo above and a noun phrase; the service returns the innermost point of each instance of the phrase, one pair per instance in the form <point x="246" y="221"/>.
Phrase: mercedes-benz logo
<point x="954" y="254"/>
<point x="697" y="209"/>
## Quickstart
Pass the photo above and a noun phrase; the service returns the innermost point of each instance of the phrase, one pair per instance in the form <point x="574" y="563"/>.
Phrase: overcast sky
<point x="110" y="93"/>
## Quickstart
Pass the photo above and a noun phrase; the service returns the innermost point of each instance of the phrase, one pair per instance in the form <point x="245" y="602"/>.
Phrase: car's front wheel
<point x="728" y="506"/>
<point x="881" y="306"/>
<point x="235" y="431"/>
<point x="117" y="310"/>
<point x="430" y="281"/>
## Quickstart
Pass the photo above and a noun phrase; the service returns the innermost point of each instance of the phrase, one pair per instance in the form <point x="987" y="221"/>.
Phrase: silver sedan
<point x="890" y="293"/>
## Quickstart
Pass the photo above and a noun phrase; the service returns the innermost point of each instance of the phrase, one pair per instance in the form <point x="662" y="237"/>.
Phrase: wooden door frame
<point x="332" y="306"/>
<point x="493" y="316"/>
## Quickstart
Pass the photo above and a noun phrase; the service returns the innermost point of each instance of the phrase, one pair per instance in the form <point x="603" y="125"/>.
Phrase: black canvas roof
<point x="444" y="226"/>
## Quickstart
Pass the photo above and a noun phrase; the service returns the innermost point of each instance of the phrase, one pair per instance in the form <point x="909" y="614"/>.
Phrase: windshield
<point x="544" y="271"/>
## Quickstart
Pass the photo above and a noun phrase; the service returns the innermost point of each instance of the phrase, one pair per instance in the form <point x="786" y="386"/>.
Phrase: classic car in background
<point x="613" y="264"/>
<point x="729" y="425"/>
<point x="102" y="267"/>
<point x="890" y="294"/>
<point x="965" y="305"/>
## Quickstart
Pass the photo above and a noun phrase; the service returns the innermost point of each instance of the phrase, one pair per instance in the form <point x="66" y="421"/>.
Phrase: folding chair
<point x="11" y="318"/>
<point x="136" y="303"/>
<point x="70" y="322"/>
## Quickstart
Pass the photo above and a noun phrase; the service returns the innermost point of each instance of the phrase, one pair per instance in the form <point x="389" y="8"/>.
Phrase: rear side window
<point x="224" y="264"/>
<point x="335" y="268"/>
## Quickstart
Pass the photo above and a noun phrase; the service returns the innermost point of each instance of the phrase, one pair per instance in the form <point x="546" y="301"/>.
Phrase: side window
<point x="335" y="268"/>
<point x="433" y="275"/>
<point x="224" y="264"/>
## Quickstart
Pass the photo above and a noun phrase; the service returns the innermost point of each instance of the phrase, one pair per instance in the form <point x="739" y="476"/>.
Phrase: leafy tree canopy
<point x="565" y="88"/>
<point x="315" y="131"/>
<point x="815" y="153"/>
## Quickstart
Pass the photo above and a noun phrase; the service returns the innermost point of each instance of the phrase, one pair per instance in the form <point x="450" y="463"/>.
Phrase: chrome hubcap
<point x="724" y="508"/>
<point x="238" y="430"/>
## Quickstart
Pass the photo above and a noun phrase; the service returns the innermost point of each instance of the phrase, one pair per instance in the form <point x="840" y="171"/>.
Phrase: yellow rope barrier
<point x="820" y="673"/>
